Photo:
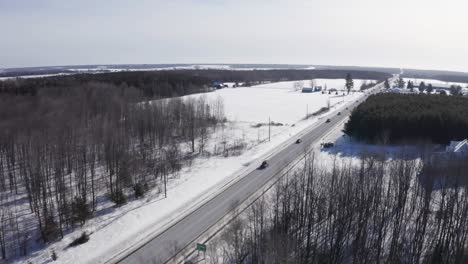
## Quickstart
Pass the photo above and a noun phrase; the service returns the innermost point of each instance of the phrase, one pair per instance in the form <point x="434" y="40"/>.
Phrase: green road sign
<point x="201" y="247"/>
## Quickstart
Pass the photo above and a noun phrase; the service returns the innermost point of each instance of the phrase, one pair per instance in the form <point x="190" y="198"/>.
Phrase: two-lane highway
<point x="162" y="247"/>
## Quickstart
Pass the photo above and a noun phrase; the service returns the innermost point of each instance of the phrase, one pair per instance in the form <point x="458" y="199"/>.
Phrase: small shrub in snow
<point x="80" y="210"/>
<point x="50" y="230"/>
<point x="54" y="255"/>
<point x="276" y="124"/>
<point x="140" y="190"/>
<point x="80" y="240"/>
<point x="319" y="112"/>
<point x="272" y="123"/>
<point x="118" y="197"/>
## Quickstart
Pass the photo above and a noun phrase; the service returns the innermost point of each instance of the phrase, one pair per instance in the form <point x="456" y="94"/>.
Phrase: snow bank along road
<point x="182" y="233"/>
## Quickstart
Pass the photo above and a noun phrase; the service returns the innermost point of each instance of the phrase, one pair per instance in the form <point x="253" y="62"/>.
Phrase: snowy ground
<point x="434" y="82"/>
<point x="338" y="84"/>
<point x="346" y="148"/>
<point x="115" y="229"/>
<point x="33" y="76"/>
<point x="438" y="83"/>
<point x="278" y="101"/>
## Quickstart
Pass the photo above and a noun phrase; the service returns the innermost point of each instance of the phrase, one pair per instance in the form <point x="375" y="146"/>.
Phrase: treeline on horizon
<point x="396" y="118"/>
<point x="441" y="77"/>
<point x="446" y="76"/>
<point x="163" y="84"/>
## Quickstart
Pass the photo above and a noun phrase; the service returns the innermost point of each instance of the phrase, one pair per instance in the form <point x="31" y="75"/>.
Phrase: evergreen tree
<point x="80" y="210"/>
<point x="410" y="85"/>
<point x="422" y="87"/>
<point x="455" y="90"/>
<point x="429" y="89"/>
<point x="386" y="84"/>
<point x="409" y="118"/>
<point x="349" y="82"/>
<point x="401" y="83"/>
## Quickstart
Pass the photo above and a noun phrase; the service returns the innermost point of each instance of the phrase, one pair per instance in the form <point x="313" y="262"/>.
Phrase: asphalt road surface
<point x="167" y="244"/>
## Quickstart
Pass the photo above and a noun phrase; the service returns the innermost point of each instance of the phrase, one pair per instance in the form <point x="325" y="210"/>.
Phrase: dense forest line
<point x="64" y="149"/>
<point x="396" y="118"/>
<point x="151" y="84"/>
<point x="285" y="75"/>
<point x="447" y="76"/>
<point x="372" y="211"/>
<point x="176" y="82"/>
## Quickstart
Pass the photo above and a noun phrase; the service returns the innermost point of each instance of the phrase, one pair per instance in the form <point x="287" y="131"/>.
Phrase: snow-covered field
<point x="435" y="82"/>
<point x="338" y="84"/>
<point x="441" y="84"/>
<point x="278" y="101"/>
<point x="33" y="76"/>
<point x="119" y="228"/>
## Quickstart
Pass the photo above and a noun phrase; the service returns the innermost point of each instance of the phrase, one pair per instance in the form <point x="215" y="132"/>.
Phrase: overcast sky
<point x="399" y="33"/>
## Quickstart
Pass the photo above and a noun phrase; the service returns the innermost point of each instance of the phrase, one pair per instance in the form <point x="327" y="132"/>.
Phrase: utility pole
<point x="165" y="184"/>
<point x="269" y="129"/>
<point x="165" y="174"/>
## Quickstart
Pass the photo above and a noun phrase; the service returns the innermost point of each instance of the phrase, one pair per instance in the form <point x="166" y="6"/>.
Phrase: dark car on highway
<point x="328" y="120"/>
<point x="264" y="165"/>
<point x="298" y="141"/>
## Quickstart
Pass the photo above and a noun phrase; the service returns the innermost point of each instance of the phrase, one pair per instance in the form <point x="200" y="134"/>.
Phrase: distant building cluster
<point x="403" y="90"/>
<point x="436" y="88"/>
<point x="219" y="85"/>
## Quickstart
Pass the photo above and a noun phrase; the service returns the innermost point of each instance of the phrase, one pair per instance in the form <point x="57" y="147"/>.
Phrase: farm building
<point x="311" y="89"/>
<point x="218" y="85"/>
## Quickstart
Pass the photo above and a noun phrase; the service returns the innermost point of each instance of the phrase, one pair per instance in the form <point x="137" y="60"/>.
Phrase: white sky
<point x="399" y="33"/>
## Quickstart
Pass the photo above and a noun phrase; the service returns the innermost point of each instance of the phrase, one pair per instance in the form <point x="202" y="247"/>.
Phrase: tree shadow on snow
<point x="345" y="146"/>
